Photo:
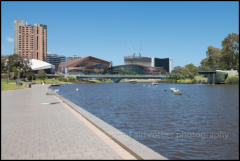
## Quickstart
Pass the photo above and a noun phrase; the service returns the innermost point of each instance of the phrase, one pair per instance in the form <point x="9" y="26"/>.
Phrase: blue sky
<point x="106" y="30"/>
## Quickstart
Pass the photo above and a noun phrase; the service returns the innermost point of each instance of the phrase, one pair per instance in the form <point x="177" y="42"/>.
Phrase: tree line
<point x="226" y="58"/>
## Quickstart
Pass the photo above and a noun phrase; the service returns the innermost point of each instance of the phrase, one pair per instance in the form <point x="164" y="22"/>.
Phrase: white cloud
<point x="10" y="39"/>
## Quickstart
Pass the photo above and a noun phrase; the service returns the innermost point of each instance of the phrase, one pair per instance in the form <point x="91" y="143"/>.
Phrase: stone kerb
<point x="137" y="149"/>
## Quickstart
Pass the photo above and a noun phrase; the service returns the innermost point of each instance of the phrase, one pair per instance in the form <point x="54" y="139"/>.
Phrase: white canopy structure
<point x="38" y="64"/>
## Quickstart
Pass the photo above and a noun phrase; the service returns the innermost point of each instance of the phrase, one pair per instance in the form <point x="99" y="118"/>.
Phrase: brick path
<point x="33" y="129"/>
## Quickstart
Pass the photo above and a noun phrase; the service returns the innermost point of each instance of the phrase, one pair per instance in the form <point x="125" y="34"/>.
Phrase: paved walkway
<point x="33" y="129"/>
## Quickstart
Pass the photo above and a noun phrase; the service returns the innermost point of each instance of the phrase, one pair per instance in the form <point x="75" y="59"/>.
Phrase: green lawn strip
<point x="10" y="86"/>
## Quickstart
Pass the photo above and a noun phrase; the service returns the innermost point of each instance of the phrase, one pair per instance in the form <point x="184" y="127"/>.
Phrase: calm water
<point x="200" y="124"/>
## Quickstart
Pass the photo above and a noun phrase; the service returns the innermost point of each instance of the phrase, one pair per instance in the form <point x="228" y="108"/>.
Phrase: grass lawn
<point x="12" y="83"/>
<point x="10" y="86"/>
<point x="47" y="81"/>
<point x="55" y="81"/>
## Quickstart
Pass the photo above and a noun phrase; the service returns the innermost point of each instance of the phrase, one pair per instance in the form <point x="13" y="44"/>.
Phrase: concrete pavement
<point x="31" y="128"/>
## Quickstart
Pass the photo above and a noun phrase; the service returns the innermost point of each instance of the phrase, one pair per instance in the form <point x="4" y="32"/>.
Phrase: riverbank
<point x="135" y="148"/>
<point x="25" y="84"/>
<point x="11" y="85"/>
<point x="40" y="126"/>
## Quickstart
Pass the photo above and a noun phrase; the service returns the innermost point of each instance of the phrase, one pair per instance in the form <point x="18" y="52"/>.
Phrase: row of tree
<point x="16" y="66"/>
<point x="226" y="58"/>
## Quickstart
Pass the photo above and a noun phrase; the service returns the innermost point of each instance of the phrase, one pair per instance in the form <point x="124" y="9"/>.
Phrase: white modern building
<point x="38" y="65"/>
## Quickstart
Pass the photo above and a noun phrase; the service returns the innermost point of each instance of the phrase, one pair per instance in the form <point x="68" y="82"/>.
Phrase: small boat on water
<point x="176" y="91"/>
<point x="133" y="82"/>
<point x="154" y="83"/>
<point x="55" y="85"/>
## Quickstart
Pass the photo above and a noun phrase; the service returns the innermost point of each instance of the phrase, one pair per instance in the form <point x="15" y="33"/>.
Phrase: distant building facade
<point x="144" y="61"/>
<point x="73" y="57"/>
<point x="166" y="63"/>
<point x="129" y="69"/>
<point x="55" y="59"/>
<point x="154" y="64"/>
<point x="30" y="40"/>
<point x="17" y="23"/>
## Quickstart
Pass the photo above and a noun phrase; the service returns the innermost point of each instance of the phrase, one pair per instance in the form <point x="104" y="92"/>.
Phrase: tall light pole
<point x="8" y="68"/>
<point x="18" y="79"/>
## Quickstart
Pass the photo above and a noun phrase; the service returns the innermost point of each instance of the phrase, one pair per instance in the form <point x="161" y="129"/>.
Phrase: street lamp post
<point x="8" y="73"/>
<point x="8" y="69"/>
<point x="18" y="79"/>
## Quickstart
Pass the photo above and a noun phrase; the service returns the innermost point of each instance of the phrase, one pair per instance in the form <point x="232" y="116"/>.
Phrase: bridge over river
<point x="117" y="77"/>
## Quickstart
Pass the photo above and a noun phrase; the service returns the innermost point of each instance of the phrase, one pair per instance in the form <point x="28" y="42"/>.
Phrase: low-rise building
<point x="73" y="57"/>
<point x="150" y="62"/>
<point x="55" y="59"/>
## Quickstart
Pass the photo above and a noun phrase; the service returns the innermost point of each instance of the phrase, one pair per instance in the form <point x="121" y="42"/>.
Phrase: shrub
<point x="65" y="79"/>
<point x="41" y="74"/>
<point x="60" y="78"/>
<point x="232" y="80"/>
<point x="31" y="76"/>
<point x="200" y="79"/>
<point x="71" y="79"/>
<point x="185" y="80"/>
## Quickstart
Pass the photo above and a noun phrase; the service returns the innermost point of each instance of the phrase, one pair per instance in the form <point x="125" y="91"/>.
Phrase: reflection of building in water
<point x="87" y="65"/>
<point x="154" y="64"/>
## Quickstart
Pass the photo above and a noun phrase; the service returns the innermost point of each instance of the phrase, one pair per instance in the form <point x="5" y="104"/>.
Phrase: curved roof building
<point x="85" y="65"/>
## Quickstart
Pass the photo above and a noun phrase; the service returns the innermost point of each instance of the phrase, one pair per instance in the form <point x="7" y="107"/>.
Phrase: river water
<point x="202" y="123"/>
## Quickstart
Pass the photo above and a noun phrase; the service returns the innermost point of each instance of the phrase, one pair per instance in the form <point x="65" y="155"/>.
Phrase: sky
<point x="112" y="30"/>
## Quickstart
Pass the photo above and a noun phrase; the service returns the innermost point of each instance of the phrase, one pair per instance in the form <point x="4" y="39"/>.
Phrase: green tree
<point x="4" y="66"/>
<point x="31" y="76"/>
<point x="15" y="71"/>
<point x="230" y="52"/>
<point x="213" y="58"/>
<point x="188" y="71"/>
<point x="191" y="68"/>
<point x="22" y="64"/>
<point x="41" y="74"/>
<point x="71" y="78"/>
<point x="177" y="69"/>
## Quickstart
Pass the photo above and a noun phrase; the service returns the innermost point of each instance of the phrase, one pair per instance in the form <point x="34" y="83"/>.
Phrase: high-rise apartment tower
<point x="30" y="40"/>
<point x="17" y="23"/>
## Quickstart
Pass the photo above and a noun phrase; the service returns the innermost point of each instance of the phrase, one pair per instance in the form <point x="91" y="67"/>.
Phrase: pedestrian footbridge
<point x="117" y="77"/>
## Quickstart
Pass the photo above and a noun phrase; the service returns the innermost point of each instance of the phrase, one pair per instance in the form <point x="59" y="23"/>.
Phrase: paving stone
<point x="32" y="130"/>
